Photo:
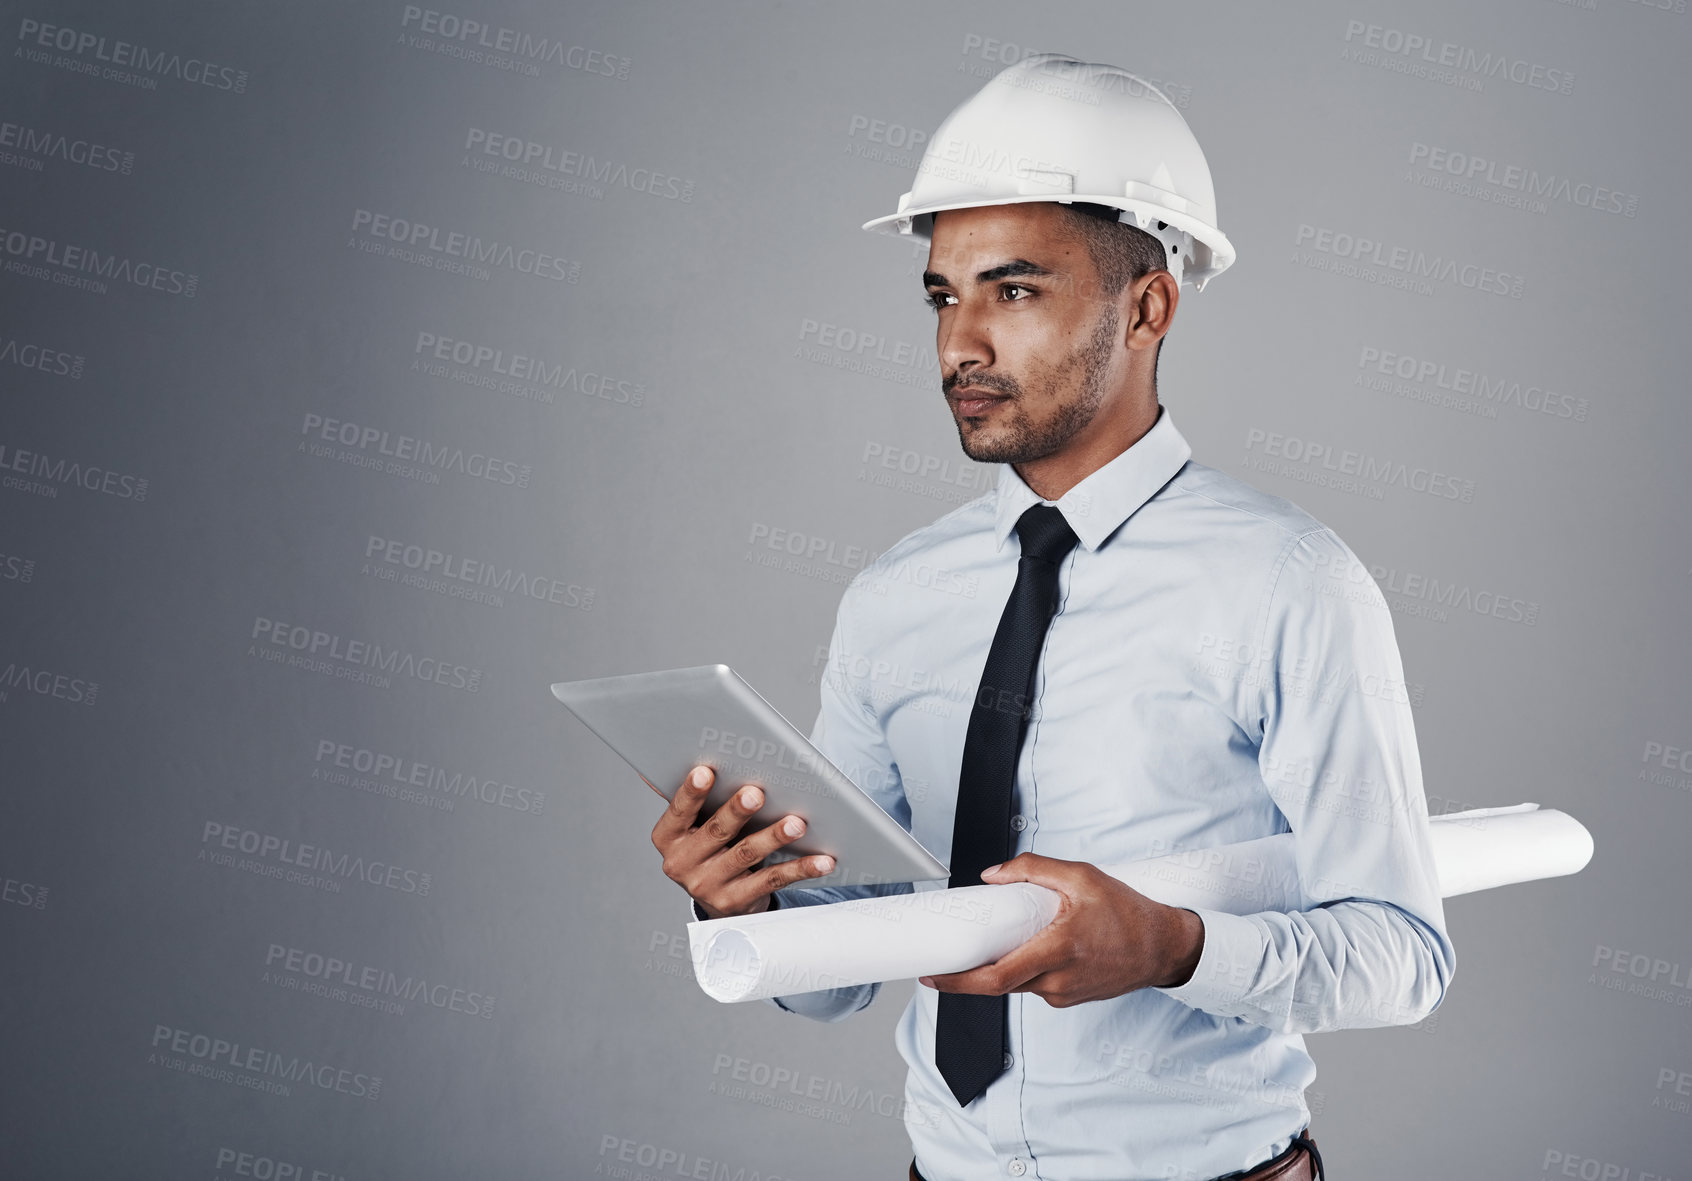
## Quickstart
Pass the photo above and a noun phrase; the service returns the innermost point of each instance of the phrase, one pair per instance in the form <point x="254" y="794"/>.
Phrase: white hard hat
<point x="1051" y="128"/>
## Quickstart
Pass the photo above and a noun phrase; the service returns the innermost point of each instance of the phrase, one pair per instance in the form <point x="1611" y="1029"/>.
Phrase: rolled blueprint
<point x="841" y="944"/>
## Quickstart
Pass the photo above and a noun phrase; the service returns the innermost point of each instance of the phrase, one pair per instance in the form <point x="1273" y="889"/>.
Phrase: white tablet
<point x="666" y="723"/>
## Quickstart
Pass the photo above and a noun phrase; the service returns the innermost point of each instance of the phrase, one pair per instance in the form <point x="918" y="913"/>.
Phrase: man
<point x="1118" y="653"/>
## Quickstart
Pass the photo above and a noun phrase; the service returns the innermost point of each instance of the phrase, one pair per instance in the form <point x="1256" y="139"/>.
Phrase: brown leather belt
<point x="1302" y="1161"/>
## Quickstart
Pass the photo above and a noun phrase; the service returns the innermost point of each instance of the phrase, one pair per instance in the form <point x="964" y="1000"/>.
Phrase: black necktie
<point x="969" y="1032"/>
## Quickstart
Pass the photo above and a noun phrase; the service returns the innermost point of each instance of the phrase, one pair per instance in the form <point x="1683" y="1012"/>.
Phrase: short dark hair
<point x="1121" y="251"/>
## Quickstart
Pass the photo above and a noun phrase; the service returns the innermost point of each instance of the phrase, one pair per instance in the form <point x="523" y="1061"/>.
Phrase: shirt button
<point x="1019" y="822"/>
<point x="1009" y="1058"/>
<point x="1017" y="1167"/>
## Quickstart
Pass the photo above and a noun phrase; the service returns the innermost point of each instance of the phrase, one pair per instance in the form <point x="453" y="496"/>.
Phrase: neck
<point x="1101" y="441"/>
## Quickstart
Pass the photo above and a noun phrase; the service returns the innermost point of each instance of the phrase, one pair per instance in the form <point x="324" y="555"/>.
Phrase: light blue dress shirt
<point x="1221" y="667"/>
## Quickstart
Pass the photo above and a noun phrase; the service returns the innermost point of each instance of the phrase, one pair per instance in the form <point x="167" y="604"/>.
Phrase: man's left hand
<point x="1107" y="939"/>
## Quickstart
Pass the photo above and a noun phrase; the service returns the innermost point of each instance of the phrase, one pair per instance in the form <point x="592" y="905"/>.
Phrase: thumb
<point x="1024" y="867"/>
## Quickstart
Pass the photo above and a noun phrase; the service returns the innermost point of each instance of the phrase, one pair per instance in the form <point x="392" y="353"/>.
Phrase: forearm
<point x="1346" y="965"/>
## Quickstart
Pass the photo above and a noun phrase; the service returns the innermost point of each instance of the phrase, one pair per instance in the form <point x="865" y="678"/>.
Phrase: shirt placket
<point x="1002" y="1101"/>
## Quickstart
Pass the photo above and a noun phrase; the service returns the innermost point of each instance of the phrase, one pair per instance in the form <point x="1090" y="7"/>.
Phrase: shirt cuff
<point x="1234" y="946"/>
<point x="828" y="1005"/>
<point x="701" y="916"/>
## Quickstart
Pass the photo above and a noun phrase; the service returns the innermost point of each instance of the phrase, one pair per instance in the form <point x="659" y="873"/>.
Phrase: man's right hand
<point x="724" y="877"/>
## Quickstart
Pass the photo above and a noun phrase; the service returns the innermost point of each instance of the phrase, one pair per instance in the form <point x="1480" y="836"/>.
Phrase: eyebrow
<point x="1005" y="270"/>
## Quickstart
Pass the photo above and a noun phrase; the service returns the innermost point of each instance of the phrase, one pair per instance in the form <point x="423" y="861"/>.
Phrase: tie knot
<point x="1045" y="534"/>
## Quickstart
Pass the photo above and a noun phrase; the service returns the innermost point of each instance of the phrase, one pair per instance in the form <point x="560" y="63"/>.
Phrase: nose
<point x="962" y="341"/>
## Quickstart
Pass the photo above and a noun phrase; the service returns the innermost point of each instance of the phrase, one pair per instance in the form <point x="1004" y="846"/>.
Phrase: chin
<point x="985" y="452"/>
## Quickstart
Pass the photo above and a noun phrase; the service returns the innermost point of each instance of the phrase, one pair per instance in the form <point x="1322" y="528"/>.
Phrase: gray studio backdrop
<point x="367" y="367"/>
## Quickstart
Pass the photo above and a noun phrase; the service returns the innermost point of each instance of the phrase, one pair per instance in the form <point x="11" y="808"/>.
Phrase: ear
<point x="1153" y="298"/>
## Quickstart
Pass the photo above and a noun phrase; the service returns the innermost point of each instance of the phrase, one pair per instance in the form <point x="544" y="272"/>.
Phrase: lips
<point x="973" y="401"/>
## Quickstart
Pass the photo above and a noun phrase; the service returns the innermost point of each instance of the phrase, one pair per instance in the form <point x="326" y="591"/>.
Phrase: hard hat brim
<point x="1218" y="251"/>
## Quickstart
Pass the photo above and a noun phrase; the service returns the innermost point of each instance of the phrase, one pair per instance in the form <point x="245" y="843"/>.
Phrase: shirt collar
<point x="1096" y="507"/>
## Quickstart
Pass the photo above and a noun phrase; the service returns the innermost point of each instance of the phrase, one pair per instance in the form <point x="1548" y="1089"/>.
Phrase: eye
<point x="933" y="298"/>
<point x="1007" y="288"/>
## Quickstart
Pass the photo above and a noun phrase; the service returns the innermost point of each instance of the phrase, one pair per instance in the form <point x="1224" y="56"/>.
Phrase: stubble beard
<point x="1017" y="439"/>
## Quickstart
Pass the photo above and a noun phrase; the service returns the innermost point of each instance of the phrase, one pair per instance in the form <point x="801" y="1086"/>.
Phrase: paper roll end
<point x="1581" y="846"/>
<point x="1574" y="842"/>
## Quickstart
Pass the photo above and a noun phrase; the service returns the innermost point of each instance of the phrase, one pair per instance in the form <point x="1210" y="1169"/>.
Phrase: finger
<point x="1040" y="953"/>
<point x="738" y="894"/>
<point x="746" y="854"/>
<point x="988" y="980"/>
<point x="681" y="815"/>
<point x="726" y="822"/>
<point x="773" y="878"/>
